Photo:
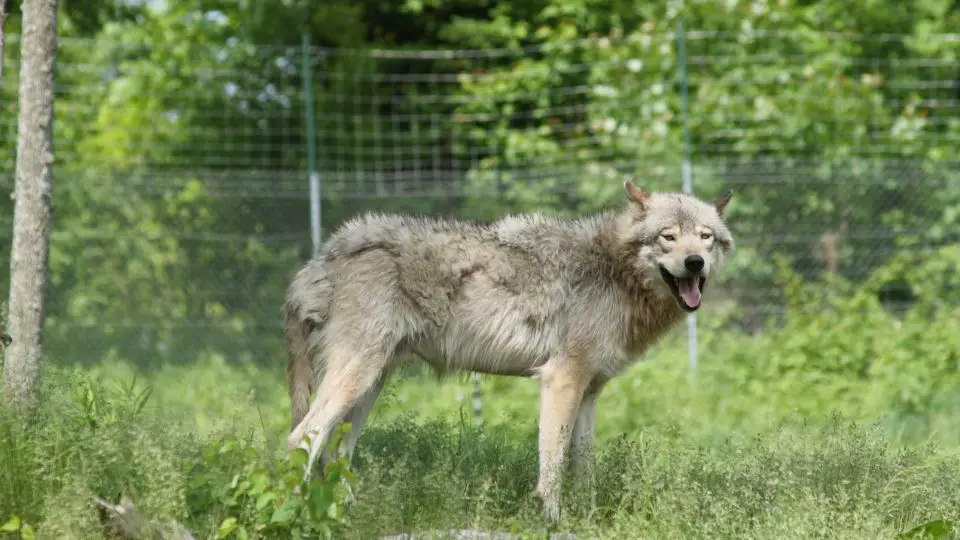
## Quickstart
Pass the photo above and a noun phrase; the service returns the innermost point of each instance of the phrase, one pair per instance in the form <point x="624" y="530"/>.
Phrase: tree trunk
<point x="31" y="219"/>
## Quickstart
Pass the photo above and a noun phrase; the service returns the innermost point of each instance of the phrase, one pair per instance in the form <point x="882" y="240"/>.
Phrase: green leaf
<point x="285" y="512"/>
<point x="227" y="527"/>
<point x="348" y="475"/>
<point x="265" y="499"/>
<point x="936" y="529"/>
<point x="334" y="511"/>
<point x="320" y="500"/>
<point x="11" y="526"/>
<point x="258" y="483"/>
<point x="26" y="531"/>
<point x="299" y="456"/>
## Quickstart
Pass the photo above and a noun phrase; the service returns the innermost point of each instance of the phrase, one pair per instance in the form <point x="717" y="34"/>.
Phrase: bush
<point x="93" y="441"/>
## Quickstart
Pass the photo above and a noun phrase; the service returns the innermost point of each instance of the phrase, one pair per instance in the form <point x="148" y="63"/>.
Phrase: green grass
<point x="837" y="480"/>
<point x="671" y="462"/>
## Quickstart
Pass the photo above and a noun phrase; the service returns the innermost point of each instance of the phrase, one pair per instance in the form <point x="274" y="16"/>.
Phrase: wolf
<point x="571" y="302"/>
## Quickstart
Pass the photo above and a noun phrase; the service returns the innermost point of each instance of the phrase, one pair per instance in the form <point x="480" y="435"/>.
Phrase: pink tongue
<point x="690" y="291"/>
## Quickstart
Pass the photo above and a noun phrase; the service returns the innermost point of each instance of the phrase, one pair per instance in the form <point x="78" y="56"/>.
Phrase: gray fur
<point x="572" y="302"/>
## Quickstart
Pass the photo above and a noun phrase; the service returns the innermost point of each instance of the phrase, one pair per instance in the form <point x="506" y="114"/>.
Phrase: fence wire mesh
<point x="181" y="188"/>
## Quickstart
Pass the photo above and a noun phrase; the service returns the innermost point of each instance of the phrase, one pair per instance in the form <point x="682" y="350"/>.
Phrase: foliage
<point x="805" y="114"/>
<point x="176" y="126"/>
<point x="95" y="440"/>
<point x="266" y="499"/>
<point x="828" y="478"/>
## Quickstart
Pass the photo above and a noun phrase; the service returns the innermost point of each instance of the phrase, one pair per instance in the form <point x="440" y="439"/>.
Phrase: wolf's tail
<point x="305" y="311"/>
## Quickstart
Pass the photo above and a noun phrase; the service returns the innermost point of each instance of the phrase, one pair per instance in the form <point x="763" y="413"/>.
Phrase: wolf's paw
<point x="551" y="505"/>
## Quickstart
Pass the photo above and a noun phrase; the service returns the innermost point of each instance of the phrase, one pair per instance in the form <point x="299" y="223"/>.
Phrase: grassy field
<point x="842" y="423"/>
<point x="668" y="468"/>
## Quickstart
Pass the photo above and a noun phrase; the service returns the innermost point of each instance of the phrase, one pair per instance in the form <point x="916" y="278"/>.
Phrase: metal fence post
<point x="314" y="177"/>
<point x="687" y="178"/>
<point x="477" y="403"/>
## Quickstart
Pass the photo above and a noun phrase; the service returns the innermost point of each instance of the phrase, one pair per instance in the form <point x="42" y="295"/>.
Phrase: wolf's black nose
<point x="694" y="263"/>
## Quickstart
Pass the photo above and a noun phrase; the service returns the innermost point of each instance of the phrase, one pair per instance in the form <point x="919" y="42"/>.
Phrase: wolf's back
<point x="387" y="232"/>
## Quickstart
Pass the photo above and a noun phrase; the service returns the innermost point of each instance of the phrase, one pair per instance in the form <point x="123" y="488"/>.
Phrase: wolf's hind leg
<point x="357" y="417"/>
<point x="351" y="379"/>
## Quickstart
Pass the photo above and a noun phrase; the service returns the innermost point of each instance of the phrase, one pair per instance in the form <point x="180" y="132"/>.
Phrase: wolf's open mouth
<point x="687" y="291"/>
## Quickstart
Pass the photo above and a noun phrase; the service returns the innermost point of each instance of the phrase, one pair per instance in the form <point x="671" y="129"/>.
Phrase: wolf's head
<point x="679" y="240"/>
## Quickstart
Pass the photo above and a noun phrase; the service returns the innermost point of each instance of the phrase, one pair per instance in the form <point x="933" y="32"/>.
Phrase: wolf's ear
<point x="636" y="194"/>
<point x="721" y="203"/>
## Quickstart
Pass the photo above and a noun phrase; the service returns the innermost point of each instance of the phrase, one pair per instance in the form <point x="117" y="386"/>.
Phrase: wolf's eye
<point x="706" y="236"/>
<point x="668" y="237"/>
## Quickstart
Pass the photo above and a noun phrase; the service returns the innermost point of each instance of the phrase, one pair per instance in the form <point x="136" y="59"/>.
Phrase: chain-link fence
<point x="182" y="200"/>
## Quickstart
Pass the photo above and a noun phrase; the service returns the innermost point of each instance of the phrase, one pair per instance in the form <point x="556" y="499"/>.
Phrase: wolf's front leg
<point x="561" y="389"/>
<point x="581" y="455"/>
